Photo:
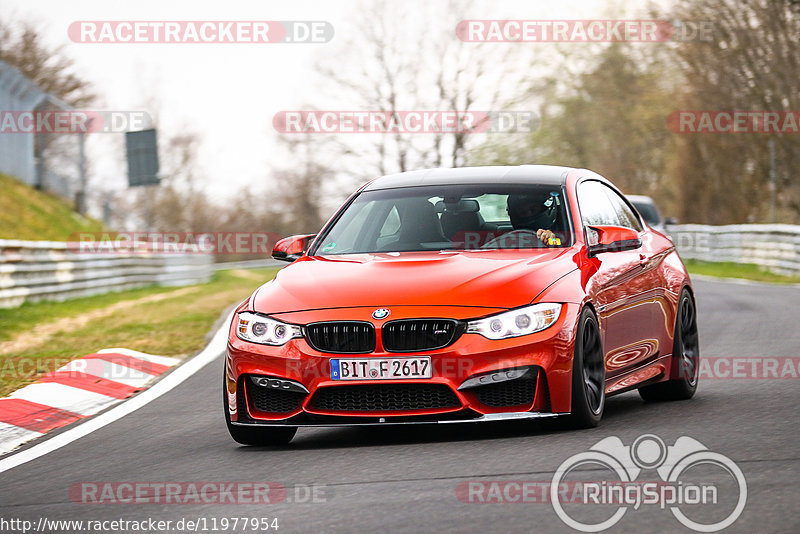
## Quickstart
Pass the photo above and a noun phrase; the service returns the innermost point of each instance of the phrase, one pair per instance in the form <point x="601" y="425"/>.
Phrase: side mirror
<point x="670" y="220"/>
<point x="291" y="248"/>
<point x="611" y="239"/>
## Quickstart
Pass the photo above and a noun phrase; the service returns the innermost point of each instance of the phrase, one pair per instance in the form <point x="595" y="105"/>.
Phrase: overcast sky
<point x="228" y="93"/>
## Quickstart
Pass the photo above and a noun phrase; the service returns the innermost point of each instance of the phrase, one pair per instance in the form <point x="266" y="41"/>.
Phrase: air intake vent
<point x="519" y="392"/>
<point x="274" y="401"/>
<point x="271" y="400"/>
<point x="342" y="337"/>
<point x="384" y="397"/>
<point x="414" y="335"/>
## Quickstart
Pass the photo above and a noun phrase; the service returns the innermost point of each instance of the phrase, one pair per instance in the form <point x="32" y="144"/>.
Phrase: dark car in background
<point x="647" y="208"/>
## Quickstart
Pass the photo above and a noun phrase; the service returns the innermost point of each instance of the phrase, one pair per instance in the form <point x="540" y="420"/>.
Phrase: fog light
<point x="277" y="383"/>
<point x="493" y="378"/>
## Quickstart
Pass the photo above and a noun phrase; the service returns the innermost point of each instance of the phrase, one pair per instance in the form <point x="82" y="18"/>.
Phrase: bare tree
<point x="750" y="64"/>
<point x="299" y="189"/>
<point x="179" y="203"/>
<point x="406" y="59"/>
<point x="589" y="124"/>
<point x="22" y="46"/>
<point x="611" y="115"/>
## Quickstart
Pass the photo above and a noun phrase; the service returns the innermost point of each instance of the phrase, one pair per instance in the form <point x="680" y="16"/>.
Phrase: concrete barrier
<point x="775" y="247"/>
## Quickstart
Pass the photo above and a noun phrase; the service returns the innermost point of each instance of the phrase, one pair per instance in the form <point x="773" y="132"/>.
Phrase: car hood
<point x="495" y="279"/>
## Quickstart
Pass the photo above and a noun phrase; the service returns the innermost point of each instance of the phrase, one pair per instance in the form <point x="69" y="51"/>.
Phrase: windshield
<point x="451" y="217"/>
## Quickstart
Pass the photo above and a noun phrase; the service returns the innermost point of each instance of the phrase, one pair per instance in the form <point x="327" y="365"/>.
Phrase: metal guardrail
<point x="33" y="271"/>
<point x="250" y="264"/>
<point x="775" y="247"/>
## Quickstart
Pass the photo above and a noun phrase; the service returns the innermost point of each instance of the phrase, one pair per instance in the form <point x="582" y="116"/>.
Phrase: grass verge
<point x="745" y="271"/>
<point x="40" y="337"/>
<point x="26" y="213"/>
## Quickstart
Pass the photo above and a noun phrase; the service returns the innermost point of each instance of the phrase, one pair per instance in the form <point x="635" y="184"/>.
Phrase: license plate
<point x="380" y="368"/>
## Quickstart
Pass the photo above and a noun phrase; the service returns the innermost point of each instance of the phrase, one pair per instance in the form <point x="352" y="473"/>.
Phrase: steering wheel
<point x="502" y="241"/>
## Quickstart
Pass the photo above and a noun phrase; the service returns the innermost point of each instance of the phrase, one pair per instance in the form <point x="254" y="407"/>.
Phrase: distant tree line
<point x="612" y="118"/>
<point x="601" y="106"/>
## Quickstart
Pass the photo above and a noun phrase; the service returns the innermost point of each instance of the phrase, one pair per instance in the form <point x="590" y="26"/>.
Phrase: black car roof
<point x="521" y="174"/>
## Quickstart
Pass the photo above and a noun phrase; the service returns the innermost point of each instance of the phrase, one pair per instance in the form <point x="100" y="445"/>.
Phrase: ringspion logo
<point x="675" y="491"/>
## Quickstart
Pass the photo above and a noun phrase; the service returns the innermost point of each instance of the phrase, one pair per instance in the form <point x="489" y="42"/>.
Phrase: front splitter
<point x="510" y="416"/>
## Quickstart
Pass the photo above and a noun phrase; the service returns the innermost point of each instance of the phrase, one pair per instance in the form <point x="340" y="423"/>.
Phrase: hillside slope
<point x="26" y="213"/>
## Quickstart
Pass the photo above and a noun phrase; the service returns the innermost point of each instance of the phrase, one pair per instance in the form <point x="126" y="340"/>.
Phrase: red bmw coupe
<point x="459" y="296"/>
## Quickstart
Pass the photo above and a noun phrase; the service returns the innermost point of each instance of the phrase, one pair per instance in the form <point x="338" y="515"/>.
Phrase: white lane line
<point x="63" y="397"/>
<point x="163" y="360"/>
<point x="214" y="349"/>
<point x="109" y="371"/>
<point x="11" y="436"/>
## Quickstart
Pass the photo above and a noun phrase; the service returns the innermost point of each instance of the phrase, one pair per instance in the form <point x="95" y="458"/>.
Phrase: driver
<point x="536" y="212"/>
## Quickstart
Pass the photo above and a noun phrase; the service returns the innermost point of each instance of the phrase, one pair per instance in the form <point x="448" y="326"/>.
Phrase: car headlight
<point x="515" y="323"/>
<point x="259" y="329"/>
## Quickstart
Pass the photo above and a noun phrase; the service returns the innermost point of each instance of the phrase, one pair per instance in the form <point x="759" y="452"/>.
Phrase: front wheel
<point x="685" y="357"/>
<point x="247" y="435"/>
<point x="588" y="374"/>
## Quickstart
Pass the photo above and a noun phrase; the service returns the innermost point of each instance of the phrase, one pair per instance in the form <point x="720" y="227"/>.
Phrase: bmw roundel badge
<point x="381" y="313"/>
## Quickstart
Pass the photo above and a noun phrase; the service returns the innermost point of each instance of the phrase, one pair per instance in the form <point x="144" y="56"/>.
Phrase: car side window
<point x="595" y="205"/>
<point x="626" y="215"/>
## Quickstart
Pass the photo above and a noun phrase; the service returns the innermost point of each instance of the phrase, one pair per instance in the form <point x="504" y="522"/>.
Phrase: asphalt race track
<point x="406" y="479"/>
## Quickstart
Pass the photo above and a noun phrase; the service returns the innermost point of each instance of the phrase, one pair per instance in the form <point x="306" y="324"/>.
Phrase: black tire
<point x="247" y="435"/>
<point x="685" y="357"/>
<point x="588" y="374"/>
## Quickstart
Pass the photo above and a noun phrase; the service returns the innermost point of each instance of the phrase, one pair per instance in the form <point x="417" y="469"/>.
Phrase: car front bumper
<point x="305" y="395"/>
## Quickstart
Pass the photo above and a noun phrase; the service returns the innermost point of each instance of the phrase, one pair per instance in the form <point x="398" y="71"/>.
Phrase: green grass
<point x="175" y="325"/>
<point x="745" y="271"/>
<point x="28" y="214"/>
